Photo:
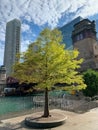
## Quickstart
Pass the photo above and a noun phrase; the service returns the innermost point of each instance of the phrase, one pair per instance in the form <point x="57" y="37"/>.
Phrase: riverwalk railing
<point x="23" y="105"/>
<point x="10" y="105"/>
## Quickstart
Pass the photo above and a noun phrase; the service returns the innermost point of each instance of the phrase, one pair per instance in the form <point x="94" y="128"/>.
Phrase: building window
<point x="79" y="36"/>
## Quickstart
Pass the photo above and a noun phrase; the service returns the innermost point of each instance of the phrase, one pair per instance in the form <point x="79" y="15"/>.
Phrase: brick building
<point x="84" y="39"/>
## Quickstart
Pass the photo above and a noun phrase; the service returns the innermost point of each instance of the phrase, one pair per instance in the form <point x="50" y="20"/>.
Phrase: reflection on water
<point x="13" y="104"/>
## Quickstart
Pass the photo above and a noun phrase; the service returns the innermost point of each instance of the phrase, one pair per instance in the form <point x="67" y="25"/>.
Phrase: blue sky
<point x="35" y="15"/>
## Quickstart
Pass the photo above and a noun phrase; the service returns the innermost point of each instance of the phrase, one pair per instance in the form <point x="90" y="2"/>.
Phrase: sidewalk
<point x="85" y="121"/>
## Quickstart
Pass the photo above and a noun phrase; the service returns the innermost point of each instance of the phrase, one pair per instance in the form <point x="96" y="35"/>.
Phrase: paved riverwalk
<point x="84" y="121"/>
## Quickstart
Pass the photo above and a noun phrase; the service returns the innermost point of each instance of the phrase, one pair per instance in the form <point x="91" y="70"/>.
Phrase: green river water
<point x="14" y="104"/>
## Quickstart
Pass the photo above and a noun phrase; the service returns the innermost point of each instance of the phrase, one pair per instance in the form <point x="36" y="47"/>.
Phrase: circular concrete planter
<point x="37" y="121"/>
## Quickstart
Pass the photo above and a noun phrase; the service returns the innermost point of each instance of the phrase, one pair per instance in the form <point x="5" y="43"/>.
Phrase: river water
<point x="14" y="104"/>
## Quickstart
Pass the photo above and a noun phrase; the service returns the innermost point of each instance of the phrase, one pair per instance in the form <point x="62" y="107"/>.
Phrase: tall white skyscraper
<point x="12" y="44"/>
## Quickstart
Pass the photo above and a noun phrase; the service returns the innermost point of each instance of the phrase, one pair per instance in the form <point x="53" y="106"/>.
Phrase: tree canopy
<point x="46" y="62"/>
<point x="91" y="80"/>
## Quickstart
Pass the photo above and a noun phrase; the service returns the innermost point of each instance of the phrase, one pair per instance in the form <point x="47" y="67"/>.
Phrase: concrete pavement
<point x="84" y="121"/>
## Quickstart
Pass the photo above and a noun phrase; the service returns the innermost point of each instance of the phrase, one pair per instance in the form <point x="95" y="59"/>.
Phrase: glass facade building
<point x="67" y="32"/>
<point x="96" y="24"/>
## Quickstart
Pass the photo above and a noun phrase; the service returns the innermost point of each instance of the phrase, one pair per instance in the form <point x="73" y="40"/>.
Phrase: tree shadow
<point x="4" y="128"/>
<point x="18" y="126"/>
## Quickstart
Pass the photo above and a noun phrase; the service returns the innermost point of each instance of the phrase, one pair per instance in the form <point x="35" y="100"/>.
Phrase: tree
<point x="91" y="80"/>
<point x="46" y="62"/>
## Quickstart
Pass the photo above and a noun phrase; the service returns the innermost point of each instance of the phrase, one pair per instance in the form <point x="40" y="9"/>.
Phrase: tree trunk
<point x="46" y="106"/>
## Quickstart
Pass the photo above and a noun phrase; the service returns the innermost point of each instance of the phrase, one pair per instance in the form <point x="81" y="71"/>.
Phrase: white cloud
<point x="24" y="45"/>
<point x="89" y="8"/>
<point x="25" y="27"/>
<point x="43" y="12"/>
<point x="2" y="36"/>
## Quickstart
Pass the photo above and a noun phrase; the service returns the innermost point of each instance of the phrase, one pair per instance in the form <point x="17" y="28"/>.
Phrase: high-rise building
<point x="12" y="44"/>
<point x="84" y="39"/>
<point x="67" y="31"/>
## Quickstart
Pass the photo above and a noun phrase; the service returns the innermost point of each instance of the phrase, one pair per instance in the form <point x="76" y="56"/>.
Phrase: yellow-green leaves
<point x="46" y="62"/>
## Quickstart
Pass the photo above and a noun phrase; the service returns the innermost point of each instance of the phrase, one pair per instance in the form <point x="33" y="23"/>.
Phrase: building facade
<point x="2" y="77"/>
<point x="85" y="40"/>
<point x="12" y="44"/>
<point x="67" y="31"/>
<point x="96" y="24"/>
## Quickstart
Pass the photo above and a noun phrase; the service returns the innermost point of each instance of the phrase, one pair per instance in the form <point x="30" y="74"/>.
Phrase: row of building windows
<point x="84" y="34"/>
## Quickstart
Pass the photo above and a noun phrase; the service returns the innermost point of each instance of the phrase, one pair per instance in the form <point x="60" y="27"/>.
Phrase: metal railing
<point x="35" y="103"/>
